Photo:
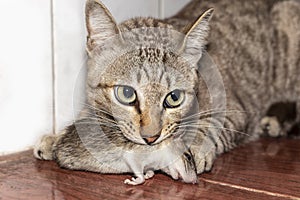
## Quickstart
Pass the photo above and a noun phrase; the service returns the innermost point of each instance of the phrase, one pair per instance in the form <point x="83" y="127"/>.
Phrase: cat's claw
<point x="134" y="181"/>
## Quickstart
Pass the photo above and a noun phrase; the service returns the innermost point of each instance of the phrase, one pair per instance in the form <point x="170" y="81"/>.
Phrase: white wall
<point x="40" y="63"/>
<point x="25" y="73"/>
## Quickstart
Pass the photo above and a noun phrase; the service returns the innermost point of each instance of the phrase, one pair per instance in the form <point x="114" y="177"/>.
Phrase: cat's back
<point x="255" y="44"/>
<point x="238" y="28"/>
<point x="227" y="12"/>
<point x="252" y="42"/>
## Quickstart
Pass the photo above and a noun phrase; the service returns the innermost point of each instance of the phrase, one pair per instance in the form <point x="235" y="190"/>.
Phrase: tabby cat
<point x="167" y="84"/>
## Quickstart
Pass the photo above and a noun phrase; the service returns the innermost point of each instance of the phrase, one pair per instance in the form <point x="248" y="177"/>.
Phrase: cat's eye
<point x="125" y="95"/>
<point x="174" y="99"/>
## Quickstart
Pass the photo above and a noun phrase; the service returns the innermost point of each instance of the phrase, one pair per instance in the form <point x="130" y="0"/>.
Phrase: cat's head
<point x="143" y="72"/>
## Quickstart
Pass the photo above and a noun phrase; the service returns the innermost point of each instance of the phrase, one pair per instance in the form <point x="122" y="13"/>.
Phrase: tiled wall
<point x="41" y="61"/>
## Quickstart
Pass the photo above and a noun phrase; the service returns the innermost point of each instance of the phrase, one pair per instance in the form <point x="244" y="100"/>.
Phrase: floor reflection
<point x="271" y="165"/>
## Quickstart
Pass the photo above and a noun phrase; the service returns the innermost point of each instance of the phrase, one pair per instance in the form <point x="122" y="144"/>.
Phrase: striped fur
<point x="255" y="45"/>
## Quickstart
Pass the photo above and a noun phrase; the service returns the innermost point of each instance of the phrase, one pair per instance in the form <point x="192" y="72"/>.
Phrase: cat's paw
<point x="204" y="163"/>
<point x="135" y="181"/>
<point x="44" y="148"/>
<point x="271" y="126"/>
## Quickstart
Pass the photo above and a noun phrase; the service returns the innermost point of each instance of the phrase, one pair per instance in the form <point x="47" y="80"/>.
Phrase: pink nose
<point x="151" y="140"/>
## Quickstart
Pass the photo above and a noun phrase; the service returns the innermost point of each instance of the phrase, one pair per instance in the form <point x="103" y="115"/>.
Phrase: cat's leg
<point x="140" y="178"/>
<point x="71" y="153"/>
<point x="286" y="19"/>
<point x="203" y="148"/>
<point x="218" y="135"/>
<point x="204" y="155"/>
<point x="137" y="168"/>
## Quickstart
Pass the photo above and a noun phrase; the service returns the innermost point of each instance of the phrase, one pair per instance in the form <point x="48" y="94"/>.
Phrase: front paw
<point x="135" y="181"/>
<point x="44" y="148"/>
<point x="204" y="156"/>
<point x="205" y="163"/>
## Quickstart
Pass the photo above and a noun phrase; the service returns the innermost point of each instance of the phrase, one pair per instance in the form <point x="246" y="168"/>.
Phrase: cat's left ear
<point x="195" y="39"/>
<point x="100" y="24"/>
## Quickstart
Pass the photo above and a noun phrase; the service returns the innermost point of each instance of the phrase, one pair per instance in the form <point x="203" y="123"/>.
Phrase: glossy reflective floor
<point x="266" y="169"/>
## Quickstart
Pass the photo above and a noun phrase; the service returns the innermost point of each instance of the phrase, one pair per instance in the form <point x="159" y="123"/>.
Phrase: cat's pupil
<point x="128" y="92"/>
<point x="175" y="95"/>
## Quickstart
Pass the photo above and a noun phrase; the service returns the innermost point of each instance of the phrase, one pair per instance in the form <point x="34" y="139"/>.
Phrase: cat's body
<point x="86" y="146"/>
<point x="255" y="45"/>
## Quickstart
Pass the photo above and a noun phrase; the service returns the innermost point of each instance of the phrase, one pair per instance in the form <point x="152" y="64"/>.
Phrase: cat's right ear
<point x="100" y="24"/>
<point x="195" y="39"/>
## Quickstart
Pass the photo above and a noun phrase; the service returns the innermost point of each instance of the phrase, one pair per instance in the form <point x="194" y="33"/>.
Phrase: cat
<point x="163" y="87"/>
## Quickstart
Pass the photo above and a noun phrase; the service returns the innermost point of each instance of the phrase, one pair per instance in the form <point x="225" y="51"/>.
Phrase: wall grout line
<point x="161" y="9"/>
<point x="53" y="68"/>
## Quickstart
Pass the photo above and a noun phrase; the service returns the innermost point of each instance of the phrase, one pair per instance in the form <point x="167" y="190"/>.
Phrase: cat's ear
<point x="100" y="24"/>
<point x="195" y="38"/>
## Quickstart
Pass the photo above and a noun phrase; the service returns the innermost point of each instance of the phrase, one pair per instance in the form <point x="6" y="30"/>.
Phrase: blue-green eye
<point x="125" y="95"/>
<point x="174" y="99"/>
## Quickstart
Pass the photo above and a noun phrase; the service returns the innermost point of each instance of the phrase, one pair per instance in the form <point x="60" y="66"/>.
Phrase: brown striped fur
<point x="256" y="46"/>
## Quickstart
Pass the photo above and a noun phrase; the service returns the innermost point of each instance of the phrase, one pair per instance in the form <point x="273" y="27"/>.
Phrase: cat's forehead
<point x="153" y="38"/>
<point x="141" y="56"/>
<point x="147" y="66"/>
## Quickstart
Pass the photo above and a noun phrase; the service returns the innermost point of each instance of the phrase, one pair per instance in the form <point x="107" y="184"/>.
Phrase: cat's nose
<point x="151" y="140"/>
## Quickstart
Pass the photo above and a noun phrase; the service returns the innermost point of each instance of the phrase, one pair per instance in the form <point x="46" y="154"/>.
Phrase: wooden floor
<point x="267" y="169"/>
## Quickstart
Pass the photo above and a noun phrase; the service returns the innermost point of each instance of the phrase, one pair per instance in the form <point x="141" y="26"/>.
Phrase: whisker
<point x="203" y="113"/>
<point x="103" y="119"/>
<point x="211" y="112"/>
<point x="231" y="143"/>
<point x="216" y="127"/>
<point x="189" y="122"/>
<point x="97" y="109"/>
<point x="99" y="116"/>
<point x="208" y="111"/>
<point x="96" y="123"/>
<point x="197" y="120"/>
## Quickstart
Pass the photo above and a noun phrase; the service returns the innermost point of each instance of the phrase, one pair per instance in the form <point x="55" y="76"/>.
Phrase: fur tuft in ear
<point x="196" y="36"/>
<point x="100" y="24"/>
